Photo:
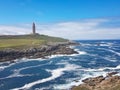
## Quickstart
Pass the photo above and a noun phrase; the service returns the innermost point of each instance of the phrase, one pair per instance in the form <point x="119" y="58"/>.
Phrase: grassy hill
<point x="26" y="41"/>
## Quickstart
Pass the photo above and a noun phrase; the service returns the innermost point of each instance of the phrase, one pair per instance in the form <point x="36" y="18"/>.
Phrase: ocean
<point x="61" y="72"/>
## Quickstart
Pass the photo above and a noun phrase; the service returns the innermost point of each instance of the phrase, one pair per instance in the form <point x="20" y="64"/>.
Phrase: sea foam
<point x="88" y="73"/>
<point x="54" y="74"/>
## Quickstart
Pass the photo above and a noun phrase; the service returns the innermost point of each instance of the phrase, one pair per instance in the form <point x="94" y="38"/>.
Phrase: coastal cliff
<point x="39" y="47"/>
<point x="41" y="52"/>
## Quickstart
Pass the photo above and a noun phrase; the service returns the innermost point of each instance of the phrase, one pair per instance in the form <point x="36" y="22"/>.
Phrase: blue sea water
<point x="61" y="72"/>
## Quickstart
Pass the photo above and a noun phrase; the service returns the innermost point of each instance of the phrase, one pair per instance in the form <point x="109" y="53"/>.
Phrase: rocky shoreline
<point x="37" y="52"/>
<point x="110" y="82"/>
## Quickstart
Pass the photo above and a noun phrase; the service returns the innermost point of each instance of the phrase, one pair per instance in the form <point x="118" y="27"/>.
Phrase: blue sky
<point x="19" y="11"/>
<point x="17" y="14"/>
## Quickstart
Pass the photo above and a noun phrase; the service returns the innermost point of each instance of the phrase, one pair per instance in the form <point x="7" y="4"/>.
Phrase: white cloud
<point x="85" y="29"/>
<point x="13" y="30"/>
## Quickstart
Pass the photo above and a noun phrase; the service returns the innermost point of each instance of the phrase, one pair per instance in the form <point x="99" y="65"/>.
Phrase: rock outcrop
<point x="110" y="82"/>
<point x="39" y="52"/>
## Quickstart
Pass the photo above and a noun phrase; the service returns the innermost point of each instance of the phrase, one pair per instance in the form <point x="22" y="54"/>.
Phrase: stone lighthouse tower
<point x="33" y="28"/>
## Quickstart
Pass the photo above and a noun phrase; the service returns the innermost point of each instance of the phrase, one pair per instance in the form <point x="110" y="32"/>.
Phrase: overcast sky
<point x="71" y="19"/>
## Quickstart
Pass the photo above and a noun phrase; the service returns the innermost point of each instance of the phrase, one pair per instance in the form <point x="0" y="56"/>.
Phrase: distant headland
<point x="32" y="46"/>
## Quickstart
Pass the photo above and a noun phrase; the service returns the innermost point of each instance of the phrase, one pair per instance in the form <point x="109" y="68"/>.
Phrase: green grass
<point x="26" y="41"/>
<point x="11" y="43"/>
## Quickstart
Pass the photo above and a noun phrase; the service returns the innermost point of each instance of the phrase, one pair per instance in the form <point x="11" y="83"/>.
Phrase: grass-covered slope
<point x="26" y="41"/>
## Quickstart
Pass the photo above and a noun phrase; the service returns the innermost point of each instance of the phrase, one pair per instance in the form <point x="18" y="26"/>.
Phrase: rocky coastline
<point x="110" y="82"/>
<point x="37" y="52"/>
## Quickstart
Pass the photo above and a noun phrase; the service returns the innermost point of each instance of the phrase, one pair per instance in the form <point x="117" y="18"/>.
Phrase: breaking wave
<point x="54" y="74"/>
<point x="94" y="58"/>
<point x="88" y="73"/>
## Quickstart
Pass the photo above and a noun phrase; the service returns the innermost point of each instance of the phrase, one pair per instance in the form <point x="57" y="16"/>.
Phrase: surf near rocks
<point x="110" y="82"/>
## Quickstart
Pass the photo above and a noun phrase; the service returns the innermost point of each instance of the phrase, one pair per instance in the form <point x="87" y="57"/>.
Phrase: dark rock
<point x="100" y="83"/>
<point x="39" y="52"/>
<point x="73" y="43"/>
<point x="93" y="81"/>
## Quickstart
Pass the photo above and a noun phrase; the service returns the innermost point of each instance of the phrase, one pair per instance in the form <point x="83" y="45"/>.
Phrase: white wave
<point x="77" y="50"/>
<point x="62" y="63"/>
<point x="117" y="53"/>
<point x="101" y="69"/>
<point x="83" y="44"/>
<point x="2" y="67"/>
<point x="61" y="55"/>
<point x="80" y="52"/>
<point x="88" y="73"/>
<point x="110" y="50"/>
<point x="93" y="70"/>
<point x="58" y="72"/>
<point x="28" y="59"/>
<point x="1" y="63"/>
<point x="102" y="42"/>
<point x="44" y="88"/>
<point x="118" y="74"/>
<point x="118" y="67"/>
<point x="104" y="45"/>
<point x="77" y="82"/>
<point x="67" y="86"/>
<point x="69" y="65"/>
<point x="109" y="58"/>
<point x="76" y="59"/>
<point x="112" y="68"/>
<point x="54" y="74"/>
<point x="57" y="55"/>
<point x="16" y="72"/>
<point x="92" y="63"/>
<point x="9" y="64"/>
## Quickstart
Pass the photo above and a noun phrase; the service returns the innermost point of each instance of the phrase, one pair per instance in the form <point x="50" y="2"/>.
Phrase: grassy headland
<point x="32" y="46"/>
<point x="26" y="41"/>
